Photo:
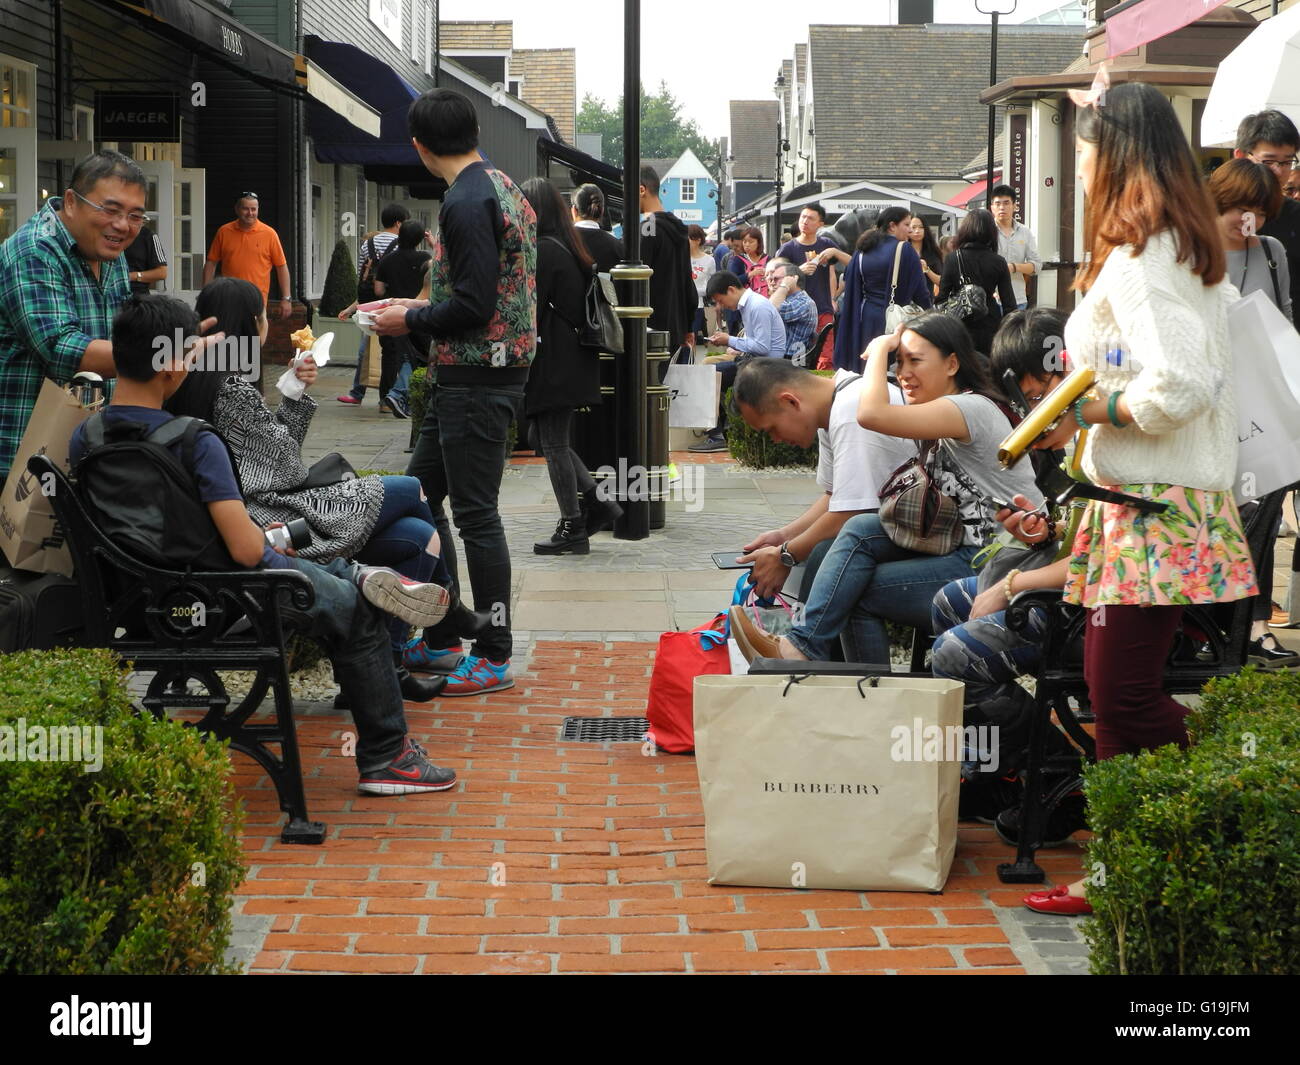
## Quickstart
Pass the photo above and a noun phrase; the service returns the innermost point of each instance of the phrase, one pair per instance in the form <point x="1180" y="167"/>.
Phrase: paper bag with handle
<point x="31" y="538"/>
<point x="829" y="781"/>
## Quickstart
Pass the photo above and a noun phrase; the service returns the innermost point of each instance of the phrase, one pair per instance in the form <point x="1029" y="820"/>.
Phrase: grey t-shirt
<point x="969" y="473"/>
<point x="1248" y="269"/>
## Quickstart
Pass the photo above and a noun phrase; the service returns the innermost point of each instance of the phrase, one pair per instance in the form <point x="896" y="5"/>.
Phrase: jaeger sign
<point x="135" y="116"/>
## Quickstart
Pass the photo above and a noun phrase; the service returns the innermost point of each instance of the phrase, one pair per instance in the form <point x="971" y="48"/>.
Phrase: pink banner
<point x="1151" y="20"/>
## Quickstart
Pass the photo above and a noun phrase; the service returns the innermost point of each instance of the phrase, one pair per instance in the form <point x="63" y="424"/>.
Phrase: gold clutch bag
<point x="1045" y="417"/>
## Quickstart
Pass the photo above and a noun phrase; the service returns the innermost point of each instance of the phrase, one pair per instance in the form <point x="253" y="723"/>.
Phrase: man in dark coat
<point x="665" y="249"/>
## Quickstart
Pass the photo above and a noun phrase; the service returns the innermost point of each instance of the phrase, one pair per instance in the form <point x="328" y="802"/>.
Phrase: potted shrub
<point x="340" y="290"/>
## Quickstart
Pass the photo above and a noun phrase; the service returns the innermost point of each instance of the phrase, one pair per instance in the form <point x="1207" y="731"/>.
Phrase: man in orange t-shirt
<point x="249" y="249"/>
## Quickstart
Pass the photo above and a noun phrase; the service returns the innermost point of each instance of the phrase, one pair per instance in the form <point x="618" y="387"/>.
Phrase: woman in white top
<point x="702" y="268"/>
<point x="1154" y="327"/>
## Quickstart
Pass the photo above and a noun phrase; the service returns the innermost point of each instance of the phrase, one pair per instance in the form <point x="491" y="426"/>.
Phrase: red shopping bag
<point x="683" y="656"/>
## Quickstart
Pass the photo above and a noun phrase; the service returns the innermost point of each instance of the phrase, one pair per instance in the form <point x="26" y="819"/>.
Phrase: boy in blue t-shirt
<point x="346" y="616"/>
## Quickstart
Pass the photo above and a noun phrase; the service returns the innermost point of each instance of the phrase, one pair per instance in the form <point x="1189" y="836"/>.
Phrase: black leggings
<point x="569" y="475"/>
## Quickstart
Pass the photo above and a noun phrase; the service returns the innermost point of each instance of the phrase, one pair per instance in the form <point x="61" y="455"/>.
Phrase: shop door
<point x="190" y="231"/>
<point x="17" y="178"/>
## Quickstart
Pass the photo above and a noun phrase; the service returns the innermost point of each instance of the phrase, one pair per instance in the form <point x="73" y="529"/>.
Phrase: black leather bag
<point x="327" y="470"/>
<point x="38" y="611"/>
<point x="969" y="301"/>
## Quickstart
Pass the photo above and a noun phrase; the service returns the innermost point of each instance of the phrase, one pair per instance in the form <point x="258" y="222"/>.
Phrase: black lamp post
<point x="781" y="148"/>
<point x="633" y="279"/>
<point x="994" y="8"/>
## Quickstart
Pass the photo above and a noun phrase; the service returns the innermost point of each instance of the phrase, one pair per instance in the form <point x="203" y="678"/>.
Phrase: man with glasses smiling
<point x="1272" y="139"/>
<point x="62" y="278"/>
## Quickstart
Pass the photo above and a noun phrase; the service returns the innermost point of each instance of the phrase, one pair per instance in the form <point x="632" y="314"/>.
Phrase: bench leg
<point x="1033" y="817"/>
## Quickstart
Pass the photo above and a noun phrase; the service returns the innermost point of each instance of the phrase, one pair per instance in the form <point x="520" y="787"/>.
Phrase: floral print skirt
<point x="1196" y="552"/>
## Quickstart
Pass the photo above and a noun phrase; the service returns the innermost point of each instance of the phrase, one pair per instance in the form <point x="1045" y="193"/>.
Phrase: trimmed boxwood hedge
<point x="127" y="869"/>
<point x="1196" y="859"/>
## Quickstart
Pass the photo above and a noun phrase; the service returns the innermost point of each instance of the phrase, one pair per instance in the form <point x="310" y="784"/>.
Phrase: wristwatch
<point x="787" y="559"/>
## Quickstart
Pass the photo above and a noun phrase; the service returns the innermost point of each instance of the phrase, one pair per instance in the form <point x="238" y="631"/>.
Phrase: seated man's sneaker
<point x="475" y="676"/>
<point x="420" y="657"/>
<point x="709" y="445"/>
<point x="1068" y="818"/>
<point x="409" y="772"/>
<point x="413" y="602"/>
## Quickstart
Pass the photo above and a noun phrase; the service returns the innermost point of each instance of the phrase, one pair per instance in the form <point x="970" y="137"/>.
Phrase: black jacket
<point x="665" y="249"/>
<point x="563" y="374"/>
<point x="988" y="270"/>
<point x="1286" y="228"/>
<point x="603" y="246"/>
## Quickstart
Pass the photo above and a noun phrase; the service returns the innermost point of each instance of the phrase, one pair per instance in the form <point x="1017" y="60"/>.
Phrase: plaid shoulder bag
<point x="914" y="513"/>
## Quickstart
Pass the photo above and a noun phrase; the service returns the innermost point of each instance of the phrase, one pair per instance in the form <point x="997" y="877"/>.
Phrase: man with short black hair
<point x="1271" y="138"/>
<point x="1016" y="244"/>
<point x="764" y="338"/>
<point x="667" y="251"/>
<point x="796" y="407"/>
<point x="249" y="249"/>
<point x="62" y="278"/>
<point x="805" y="251"/>
<point x="372" y="249"/>
<point x="482" y="316"/>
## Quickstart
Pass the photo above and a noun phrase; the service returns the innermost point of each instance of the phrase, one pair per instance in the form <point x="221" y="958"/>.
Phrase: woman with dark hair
<point x="923" y="243"/>
<point x="588" y="213"/>
<point x="866" y="579"/>
<point x="1246" y="196"/>
<point x="702" y="268"/>
<point x="750" y="263"/>
<point x="401" y="275"/>
<point x="868" y="284"/>
<point x="1153" y="325"/>
<point x="382" y="521"/>
<point x="564" y="374"/>
<point x="975" y="259"/>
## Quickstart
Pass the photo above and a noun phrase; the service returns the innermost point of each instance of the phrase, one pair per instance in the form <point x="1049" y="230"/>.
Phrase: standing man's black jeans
<point x="460" y="456"/>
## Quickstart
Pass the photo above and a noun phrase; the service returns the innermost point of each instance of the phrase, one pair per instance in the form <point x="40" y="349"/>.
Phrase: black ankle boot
<point x="570" y="538"/>
<point x="597" y="513"/>
<point x="463" y="622"/>
<point x="414" y="689"/>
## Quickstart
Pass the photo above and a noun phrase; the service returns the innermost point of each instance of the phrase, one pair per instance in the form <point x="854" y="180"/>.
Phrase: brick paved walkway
<point x="551" y="858"/>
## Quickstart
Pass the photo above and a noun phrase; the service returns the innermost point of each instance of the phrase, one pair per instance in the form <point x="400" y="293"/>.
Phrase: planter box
<point x="347" y="338"/>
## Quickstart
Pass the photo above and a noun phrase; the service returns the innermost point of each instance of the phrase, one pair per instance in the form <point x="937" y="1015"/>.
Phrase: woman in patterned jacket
<point x="378" y="520"/>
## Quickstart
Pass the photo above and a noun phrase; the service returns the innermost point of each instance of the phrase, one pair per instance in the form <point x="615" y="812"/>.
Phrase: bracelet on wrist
<point x="1078" y="412"/>
<point x="1006" y="584"/>
<point x="1112" y="410"/>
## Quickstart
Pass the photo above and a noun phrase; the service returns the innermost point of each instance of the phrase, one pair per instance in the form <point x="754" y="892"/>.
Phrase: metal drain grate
<point x="604" y="730"/>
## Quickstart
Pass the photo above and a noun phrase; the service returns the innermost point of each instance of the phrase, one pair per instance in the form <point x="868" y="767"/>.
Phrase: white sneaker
<point x="419" y="604"/>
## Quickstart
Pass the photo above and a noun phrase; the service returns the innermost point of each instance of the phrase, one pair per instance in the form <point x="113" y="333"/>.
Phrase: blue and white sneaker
<point x="476" y="676"/>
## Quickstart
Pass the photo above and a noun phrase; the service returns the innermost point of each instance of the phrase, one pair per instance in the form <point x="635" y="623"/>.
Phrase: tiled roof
<point x="457" y="35"/>
<point x="800" y="62"/>
<point x="550" y="83"/>
<point x="917" y="115"/>
<point x="753" y="138"/>
<point x="661" y="166"/>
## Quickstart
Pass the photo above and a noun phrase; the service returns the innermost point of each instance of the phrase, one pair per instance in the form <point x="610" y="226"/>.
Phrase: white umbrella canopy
<point x="1260" y="74"/>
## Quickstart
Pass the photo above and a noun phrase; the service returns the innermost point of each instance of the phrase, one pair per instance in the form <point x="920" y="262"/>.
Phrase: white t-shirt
<point x="854" y="462"/>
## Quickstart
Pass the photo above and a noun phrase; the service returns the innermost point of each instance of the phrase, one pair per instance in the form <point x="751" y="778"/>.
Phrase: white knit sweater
<point x="1175" y="369"/>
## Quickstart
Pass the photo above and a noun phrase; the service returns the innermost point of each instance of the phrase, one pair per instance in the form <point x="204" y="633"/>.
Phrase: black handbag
<point x="969" y="301"/>
<point x="327" y="470"/>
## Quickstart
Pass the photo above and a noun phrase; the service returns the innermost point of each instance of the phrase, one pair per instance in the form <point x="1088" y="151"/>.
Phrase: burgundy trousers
<point x="1124" y="653"/>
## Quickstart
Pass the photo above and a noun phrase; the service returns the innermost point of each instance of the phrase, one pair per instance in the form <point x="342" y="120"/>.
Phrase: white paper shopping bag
<point x="1266" y="358"/>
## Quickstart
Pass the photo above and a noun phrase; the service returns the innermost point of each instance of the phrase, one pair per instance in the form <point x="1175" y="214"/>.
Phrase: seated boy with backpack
<point x="165" y="489"/>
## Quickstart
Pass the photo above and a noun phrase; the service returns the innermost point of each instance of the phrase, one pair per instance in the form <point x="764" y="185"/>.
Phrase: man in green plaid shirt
<point x="62" y="278"/>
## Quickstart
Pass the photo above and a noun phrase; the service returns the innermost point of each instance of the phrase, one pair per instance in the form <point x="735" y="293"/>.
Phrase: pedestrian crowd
<point x="936" y="354"/>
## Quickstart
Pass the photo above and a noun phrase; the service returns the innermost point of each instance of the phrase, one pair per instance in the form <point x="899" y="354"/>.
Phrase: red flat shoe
<point x="1058" y="900"/>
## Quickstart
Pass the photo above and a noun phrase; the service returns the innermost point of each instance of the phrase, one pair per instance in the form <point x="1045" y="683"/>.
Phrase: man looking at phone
<point x="796" y="407"/>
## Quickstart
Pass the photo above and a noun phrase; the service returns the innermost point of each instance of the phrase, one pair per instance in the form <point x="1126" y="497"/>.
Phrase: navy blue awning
<point x="336" y="140"/>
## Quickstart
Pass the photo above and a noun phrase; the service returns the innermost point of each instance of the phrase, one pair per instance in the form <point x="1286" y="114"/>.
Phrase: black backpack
<point x="600" y="328"/>
<point x="145" y="499"/>
<point x="369" y="266"/>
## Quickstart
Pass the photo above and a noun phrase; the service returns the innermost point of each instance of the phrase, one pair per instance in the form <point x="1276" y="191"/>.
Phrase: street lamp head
<point x="995" y="7"/>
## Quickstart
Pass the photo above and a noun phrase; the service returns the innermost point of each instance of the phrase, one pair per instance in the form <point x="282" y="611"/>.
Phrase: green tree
<point x="665" y="131"/>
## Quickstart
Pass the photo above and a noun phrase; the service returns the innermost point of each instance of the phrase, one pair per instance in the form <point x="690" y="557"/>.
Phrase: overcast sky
<point x="681" y="42"/>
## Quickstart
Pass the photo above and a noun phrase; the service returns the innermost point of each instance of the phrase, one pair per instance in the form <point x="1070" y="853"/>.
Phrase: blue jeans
<point x="403" y="379"/>
<point x="358" y="390"/>
<point x="864" y="581"/>
<point x="400" y="540"/>
<point x="354" y="636"/>
<point x="460" y="456"/>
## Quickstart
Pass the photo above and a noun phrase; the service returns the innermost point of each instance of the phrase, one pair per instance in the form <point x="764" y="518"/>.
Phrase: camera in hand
<point x="296" y="534"/>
